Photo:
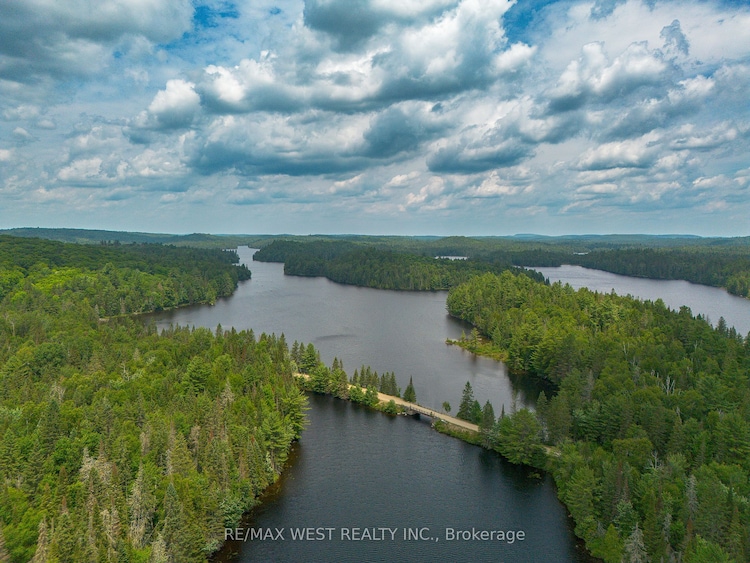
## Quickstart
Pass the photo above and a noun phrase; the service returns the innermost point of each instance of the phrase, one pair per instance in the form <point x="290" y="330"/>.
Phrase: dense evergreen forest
<point x="92" y="236"/>
<point x="408" y="263"/>
<point x="362" y="387"/>
<point x="113" y="437"/>
<point x="369" y="266"/>
<point x="724" y="268"/>
<point x="651" y="415"/>
<point x="118" y="443"/>
<point x="719" y="262"/>
<point x="118" y="279"/>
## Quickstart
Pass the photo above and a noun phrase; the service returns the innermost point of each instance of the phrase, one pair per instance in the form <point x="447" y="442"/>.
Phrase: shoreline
<point x="441" y="422"/>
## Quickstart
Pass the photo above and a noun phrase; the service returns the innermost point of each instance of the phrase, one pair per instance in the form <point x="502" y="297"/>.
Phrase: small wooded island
<point x="121" y="444"/>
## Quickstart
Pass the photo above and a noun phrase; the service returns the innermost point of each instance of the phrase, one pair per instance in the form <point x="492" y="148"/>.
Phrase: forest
<point x="726" y="269"/>
<point x="362" y="387"/>
<point x="650" y="420"/>
<point x="117" y="279"/>
<point x="715" y="261"/>
<point x="113" y="437"/>
<point x="118" y="443"/>
<point x="409" y="263"/>
<point x="369" y="266"/>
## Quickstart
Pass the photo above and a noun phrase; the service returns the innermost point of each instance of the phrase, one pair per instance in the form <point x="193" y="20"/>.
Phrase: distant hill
<point x="454" y="245"/>
<point x="93" y="236"/>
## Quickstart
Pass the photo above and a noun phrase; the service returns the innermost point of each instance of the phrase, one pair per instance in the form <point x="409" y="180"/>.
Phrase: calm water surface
<point x="355" y="468"/>
<point x="397" y="331"/>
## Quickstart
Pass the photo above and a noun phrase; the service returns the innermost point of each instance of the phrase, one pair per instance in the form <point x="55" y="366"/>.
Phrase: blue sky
<point x="476" y="117"/>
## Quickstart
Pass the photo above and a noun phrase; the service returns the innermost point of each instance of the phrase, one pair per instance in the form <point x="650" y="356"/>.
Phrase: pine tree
<point x="41" y="554"/>
<point x="488" y="417"/>
<point x="198" y="372"/>
<point x="159" y="551"/>
<point x="141" y="508"/>
<point x="519" y="437"/>
<point x="410" y="395"/>
<point x="395" y="389"/>
<point x="467" y="401"/>
<point x="476" y="412"/>
<point x="635" y="548"/>
<point x="64" y="546"/>
<point x="4" y="557"/>
<point x="294" y="353"/>
<point x="309" y="360"/>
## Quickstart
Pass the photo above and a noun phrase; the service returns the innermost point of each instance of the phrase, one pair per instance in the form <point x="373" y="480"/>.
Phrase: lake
<point x="366" y="487"/>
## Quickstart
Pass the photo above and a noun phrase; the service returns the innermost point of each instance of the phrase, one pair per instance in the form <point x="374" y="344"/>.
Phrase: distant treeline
<point x="118" y="443"/>
<point x="714" y="266"/>
<point x="651" y="416"/>
<point x="409" y="263"/>
<point x="718" y="268"/>
<point x="719" y="262"/>
<point x="368" y="266"/>
<point x="92" y="236"/>
<point x="118" y="279"/>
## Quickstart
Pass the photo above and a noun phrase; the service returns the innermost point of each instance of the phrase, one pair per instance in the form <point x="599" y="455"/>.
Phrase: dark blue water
<point x="375" y="488"/>
<point x="357" y="469"/>
<point x="364" y="475"/>
<point x="397" y="331"/>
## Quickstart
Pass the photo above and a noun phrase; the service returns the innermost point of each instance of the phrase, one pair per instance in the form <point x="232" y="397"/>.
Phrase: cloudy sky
<point x="376" y="116"/>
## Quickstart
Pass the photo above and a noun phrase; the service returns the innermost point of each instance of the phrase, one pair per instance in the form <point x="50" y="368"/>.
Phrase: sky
<point x="441" y="117"/>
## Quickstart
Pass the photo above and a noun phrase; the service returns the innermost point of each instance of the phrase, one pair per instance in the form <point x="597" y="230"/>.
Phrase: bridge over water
<point x="415" y="408"/>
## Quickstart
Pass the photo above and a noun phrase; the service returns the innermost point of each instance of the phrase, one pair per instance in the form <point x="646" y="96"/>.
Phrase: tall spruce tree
<point x="467" y="402"/>
<point x="410" y="395"/>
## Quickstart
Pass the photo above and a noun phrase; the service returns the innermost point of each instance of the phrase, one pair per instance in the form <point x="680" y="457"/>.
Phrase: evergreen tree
<point x="371" y="396"/>
<point x="295" y="353"/>
<point x="41" y="555"/>
<point x="476" y="412"/>
<point x="395" y="390"/>
<point x="410" y="395"/>
<point x="310" y="359"/>
<point x="519" y="437"/>
<point x="488" y="418"/>
<point x="4" y="556"/>
<point x="467" y="402"/>
<point x="635" y="548"/>
<point x="159" y="551"/>
<point x="141" y="507"/>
